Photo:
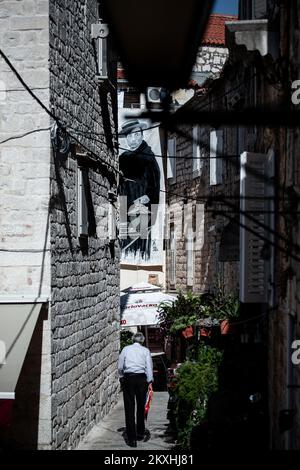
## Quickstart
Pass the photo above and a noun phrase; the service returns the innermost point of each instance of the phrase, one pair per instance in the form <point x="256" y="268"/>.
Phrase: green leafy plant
<point x="225" y="307"/>
<point x="180" y="314"/>
<point x="125" y="338"/>
<point x="196" y="382"/>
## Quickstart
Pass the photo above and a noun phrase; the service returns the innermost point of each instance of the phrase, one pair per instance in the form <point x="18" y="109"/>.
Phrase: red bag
<point x="149" y="397"/>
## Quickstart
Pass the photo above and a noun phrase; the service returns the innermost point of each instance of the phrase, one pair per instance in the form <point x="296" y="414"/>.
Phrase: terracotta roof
<point x="215" y="31"/>
<point x="213" y="36"/>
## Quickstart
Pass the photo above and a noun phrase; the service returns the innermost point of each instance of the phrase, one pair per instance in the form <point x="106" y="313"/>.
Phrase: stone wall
<point x="210" y="59"/>
<point x="85" y="272"/>
<point x="284" y="376"/>
<point x="24" y="204"/>
<point x="195" y="190"/>
<point x="286" y="325"/>
<point x="24" y="162"/>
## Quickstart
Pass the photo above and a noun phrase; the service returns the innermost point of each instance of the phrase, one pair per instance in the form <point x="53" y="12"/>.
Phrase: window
<point x="197" y="151"/>
<point x="245" y="7"/>
<point x="259" y="9"/>
<point x="172" y="266"/>
<point x="171" y="162"/>
<point x="121" y="95"/>
<point x="112" y="222"/>
<point x="216" y="152"/>
<point x="82" y="207"/>
<point x="240" y="145"/>
<point x="253" y="9"/>
<point x="240" y="140"/>
<point x="190" y="258"/>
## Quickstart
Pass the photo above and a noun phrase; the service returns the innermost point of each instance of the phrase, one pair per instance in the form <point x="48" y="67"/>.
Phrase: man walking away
<point x="136" y="374"/>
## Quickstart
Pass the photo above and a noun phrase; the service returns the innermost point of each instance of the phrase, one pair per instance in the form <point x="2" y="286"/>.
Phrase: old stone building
<point x="213" y="52"/>
<point x="248" y="232"/>
<point x="210" y="60"/>
<point x="59" y="280"/>
<point x="195" y="173"/>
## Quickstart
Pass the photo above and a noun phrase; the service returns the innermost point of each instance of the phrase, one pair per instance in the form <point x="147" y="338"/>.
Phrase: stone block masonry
<point x="71" y="363"/>
<point x="24" y="162"/>
<point x="211" y="59"/>
<point x="85" y="272"/>
<point x="85" y="323"/>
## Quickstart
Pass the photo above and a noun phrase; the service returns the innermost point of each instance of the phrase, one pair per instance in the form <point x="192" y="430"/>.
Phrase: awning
<point x="17" y="323"/>
<point x="141" y="308"/>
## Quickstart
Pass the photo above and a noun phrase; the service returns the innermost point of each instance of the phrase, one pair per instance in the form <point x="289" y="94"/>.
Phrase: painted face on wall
<point x="134" y="138"/>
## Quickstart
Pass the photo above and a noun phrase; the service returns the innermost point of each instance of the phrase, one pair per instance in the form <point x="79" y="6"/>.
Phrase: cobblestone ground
<point x="109" y="434"/>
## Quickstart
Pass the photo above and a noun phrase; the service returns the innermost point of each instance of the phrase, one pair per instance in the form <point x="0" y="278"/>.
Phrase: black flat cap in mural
<point x="128" y="126"/>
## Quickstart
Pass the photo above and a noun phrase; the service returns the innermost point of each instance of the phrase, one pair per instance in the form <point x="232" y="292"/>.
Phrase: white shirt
<point x="136" y="359"/>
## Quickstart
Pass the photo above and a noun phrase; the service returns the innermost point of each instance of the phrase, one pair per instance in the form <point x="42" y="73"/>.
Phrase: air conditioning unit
<point x="153" y="95"/>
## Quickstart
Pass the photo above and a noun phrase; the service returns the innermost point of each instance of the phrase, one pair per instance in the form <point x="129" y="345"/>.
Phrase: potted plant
<point x="196" y="381"/>
<point x="188" y="332"/>
<point x="227" y="309"/>
<point x="180" y="316"/>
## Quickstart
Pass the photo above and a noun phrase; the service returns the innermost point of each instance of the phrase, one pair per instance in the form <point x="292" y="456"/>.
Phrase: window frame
<point x="82" y="205"/>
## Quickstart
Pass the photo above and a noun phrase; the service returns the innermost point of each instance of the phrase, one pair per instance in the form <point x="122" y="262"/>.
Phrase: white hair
<point x="138" y="338"/>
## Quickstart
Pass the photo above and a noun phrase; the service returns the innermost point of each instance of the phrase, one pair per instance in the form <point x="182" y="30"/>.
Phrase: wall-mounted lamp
<point x="99" y="34"/>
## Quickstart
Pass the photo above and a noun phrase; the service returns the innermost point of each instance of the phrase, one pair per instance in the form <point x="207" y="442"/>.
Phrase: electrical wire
<point x="27" y="88"/>
<point x="25" y="134"/>
<point x="57" y="120"/>
<point x="23" y="250"/>
<point x="155" y="126"/>
<point x="97" y="159"/>
<point x="13" y="90"/>
<point x="248" y="320"/>
<point x="90" y="132"/>
<point x="246" y="227"/>
<point x="50" y="113"/>
<point x="178" y="157"/>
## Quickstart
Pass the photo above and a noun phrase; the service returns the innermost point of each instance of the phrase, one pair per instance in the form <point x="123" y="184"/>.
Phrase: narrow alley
<point x="150" y="228"/>
<point x="109" y="434"/>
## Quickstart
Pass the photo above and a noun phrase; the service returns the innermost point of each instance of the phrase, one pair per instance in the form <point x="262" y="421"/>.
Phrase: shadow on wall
<point x="20" y="431"/>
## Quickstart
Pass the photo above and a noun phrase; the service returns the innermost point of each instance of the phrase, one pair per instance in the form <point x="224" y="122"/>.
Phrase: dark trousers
<point x="134" y="391"/>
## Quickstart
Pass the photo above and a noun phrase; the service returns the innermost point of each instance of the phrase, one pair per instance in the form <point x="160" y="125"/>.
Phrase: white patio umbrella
<point x="141" y="308"/>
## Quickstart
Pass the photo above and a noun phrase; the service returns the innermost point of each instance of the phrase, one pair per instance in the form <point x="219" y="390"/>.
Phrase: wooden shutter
<point x="196" y="150"/>
<point x="112" y="222"/>
<point x="253" y="184"/>
<point x="199" y="150"/>
<point x="216" y="151"/>
<point x="190" y="258"/>
<point x="172" y="270"/>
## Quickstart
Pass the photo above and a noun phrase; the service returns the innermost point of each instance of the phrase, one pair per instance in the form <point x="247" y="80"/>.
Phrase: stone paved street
<point x="109" y="434"/>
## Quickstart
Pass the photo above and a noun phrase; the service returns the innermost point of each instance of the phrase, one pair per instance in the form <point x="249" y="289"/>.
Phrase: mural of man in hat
<point x="141" y="185"/>
<point x="133" y="130"/>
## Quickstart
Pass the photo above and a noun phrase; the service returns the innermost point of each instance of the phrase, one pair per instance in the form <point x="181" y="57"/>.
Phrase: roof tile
<point x="215" y="31"/>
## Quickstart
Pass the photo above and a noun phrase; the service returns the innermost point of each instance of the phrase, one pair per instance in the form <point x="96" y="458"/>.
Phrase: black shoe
<point x="131" y="443"/>
<point x="145" y="437"/>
